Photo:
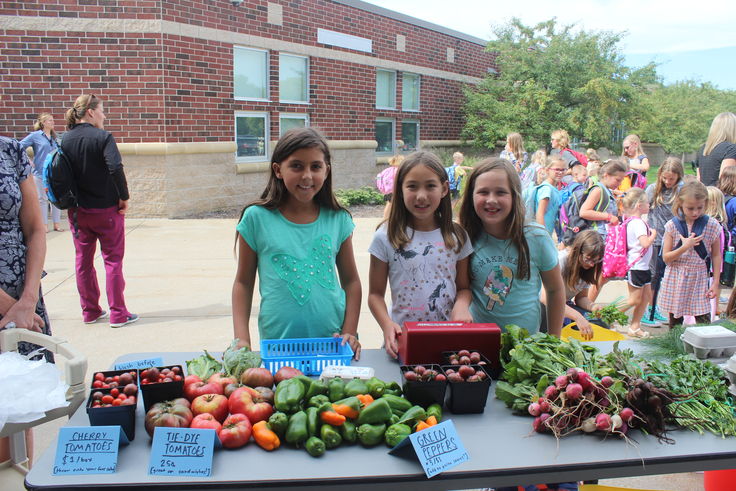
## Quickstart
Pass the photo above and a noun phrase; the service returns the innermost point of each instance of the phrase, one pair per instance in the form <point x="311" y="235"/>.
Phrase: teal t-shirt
<point x="553" y="206"/>
<point x="301" y="296"/>
<point x="500" y="297"/>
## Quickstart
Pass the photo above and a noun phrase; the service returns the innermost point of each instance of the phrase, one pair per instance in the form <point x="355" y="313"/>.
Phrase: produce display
<point x="570" y="387"/>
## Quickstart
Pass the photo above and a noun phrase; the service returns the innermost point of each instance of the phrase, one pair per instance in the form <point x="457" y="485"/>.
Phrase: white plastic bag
<point x="29" y="388"/>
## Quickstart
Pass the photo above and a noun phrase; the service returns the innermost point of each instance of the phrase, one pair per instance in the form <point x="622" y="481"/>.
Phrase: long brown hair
<point x="587" y="243"/>
<point x="79" y="109"/>
<point x="40" y="120"/>
<point x="693" y="189"/>
<point x="400" y="218"/>
<point x="515" y="223"/>
<point x="727" y="181"/>
<point x="670" y="164"/>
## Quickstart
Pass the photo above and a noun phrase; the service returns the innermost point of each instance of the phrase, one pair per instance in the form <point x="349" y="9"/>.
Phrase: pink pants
<point x="107" y="226"/>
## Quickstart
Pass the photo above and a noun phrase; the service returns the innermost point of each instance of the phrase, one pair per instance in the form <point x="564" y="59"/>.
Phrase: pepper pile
<point x="320" y="416"/>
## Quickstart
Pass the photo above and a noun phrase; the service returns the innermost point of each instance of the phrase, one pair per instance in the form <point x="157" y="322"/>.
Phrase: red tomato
<point x="174" y="414"/>
<point x="236" y="431"/>
<point x="97" y="384"/>
<point x="206" y="421"/>
<point x="99" y="376"/>
<point x="116" y="402"/>
<point x="107" y="399"/>
<point x="115" y="392"/>
<point x="116" y="378"/>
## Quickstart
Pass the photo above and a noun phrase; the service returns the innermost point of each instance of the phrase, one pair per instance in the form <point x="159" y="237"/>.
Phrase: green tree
<point x="552" y="77"/>
<point x="678" y="116"/>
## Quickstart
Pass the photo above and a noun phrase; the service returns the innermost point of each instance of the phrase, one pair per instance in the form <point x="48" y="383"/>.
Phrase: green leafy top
<point x="236" y="361"/>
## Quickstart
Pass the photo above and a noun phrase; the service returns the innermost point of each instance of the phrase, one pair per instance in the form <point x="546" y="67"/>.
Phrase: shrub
<point x="362" y="196"/>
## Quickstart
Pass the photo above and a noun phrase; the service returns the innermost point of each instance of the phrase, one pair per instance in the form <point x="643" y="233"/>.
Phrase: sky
<point x="689" y="43"/>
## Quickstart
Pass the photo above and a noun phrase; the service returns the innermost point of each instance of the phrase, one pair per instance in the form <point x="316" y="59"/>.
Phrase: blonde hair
<point x="457" y="154"/>
<point x="727" y="181"/>
<point x="715" y="207"/>
<point x="515" y="221"/>
<point x="722" y="129"/>
<point x="633" y="197"/>
<point x="551" y="160"/>
<point x="396" y="160"/>
<point x="693" y="190"/>
<point x="613" y="166"/>
<point x="636" y="141"/>
<point x="539" y="157"/>
<point x="516" y="144"/>
<point x="591" y="154"/>
<point x="562" y="138"/>
<point x="40" y="120"/>
<point x="400" y="218"/>
<point x="673" y="165"/>
<point x="81" y="105"/>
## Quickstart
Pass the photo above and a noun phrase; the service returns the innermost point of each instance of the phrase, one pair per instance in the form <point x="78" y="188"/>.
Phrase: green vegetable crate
<point x="468" y="397"/>
<point x="310" y="355"/>
<point x="424" y="393"/>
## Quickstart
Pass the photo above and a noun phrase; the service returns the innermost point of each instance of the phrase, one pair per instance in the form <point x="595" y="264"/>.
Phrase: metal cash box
<point x="424" y="342"/>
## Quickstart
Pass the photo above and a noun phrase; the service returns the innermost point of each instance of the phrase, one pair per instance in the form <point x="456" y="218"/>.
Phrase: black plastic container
<point x="467" y="397"/>
<point x="424" y="393"/>
<point x="487" y="365"/>
<point x="161" y="391"/>
<point x="123" y="416"/>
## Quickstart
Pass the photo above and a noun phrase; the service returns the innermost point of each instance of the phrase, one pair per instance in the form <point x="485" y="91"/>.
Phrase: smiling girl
<point x="299" y="240"/>
<point x="512" y="258"/>
<point x="420" y="251"/>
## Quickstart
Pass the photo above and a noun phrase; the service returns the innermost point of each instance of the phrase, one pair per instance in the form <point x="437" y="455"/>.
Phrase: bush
<point x="362" y="196"/>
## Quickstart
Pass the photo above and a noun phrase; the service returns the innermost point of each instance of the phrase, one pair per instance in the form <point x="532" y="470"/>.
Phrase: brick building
<point x="198" y="91"/>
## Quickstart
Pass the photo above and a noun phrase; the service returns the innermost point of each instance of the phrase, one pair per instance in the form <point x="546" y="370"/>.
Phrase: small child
<point x="455" y="175"/>
<point x="727" y="185"/>
<point x="421" y="252"/>
<point x="514" y="151"/>
<point x="512" y="259"/>
<point x="528" y="174"/>
<point x="543" y="201"/>
<point x="639" y="238"/>
<point x="686" y="288"/>
<point x="579" y="173"/>
<point x="717" y="210"/>
<point x="385" y="181"/>
<point x="298" y="239"/>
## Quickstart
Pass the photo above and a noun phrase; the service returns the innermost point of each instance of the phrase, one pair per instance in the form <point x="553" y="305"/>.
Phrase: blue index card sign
<point x="144" y="363"/>
<point x="181" y="452"/>
<point x="438" y="448"/>
<point x="88" y="450"/>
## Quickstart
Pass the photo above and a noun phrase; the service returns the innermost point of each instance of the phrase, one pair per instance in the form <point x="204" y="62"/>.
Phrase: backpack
<point x="530" y="201"/>
<point x="385" y="180"/>
<point x="578" y="156"/>
<point x="570" y="220"/>
<point x="615" y="258"/>
<point x="58" y="178"/>
<point x="633" y="179"/>
<point x="453" y="179"/>
<point x="567" y="192"/>
<point x="698" y="228"/>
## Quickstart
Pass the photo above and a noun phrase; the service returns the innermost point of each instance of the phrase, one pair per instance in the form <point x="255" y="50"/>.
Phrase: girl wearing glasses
<point x="543" y="201"/>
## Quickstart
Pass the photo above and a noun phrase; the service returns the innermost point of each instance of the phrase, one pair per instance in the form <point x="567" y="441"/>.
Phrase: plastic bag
<point x="29" y="388"/>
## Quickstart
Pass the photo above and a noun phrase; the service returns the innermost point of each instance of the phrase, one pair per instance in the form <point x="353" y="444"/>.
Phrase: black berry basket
<point x="467" y="395"/>
<point x="424" y="392"/>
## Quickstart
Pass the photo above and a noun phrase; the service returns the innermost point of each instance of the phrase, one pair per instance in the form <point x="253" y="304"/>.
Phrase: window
<point x="410" y="135"/>
<point x="250" y="74"/>
<point x="410" y="92"/>
<point x="290" y="121"/>
<point x="293" y="78"/>
<point x="385" y="89"/>
<point x="385" y="136"/>
<point x="251" y="136"/>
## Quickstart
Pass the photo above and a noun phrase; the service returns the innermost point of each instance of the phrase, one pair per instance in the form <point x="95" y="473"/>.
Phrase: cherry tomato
<point x="97" y="384"/>
<point x="99" y="376"/>
<point x="107" y="399"/>
<point x="115" y="392"/>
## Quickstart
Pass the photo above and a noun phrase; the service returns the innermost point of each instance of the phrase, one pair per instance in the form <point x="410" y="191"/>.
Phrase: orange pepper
<point x="421" y="426"/>
<point x="365" y="399"/>
<point x="265" y="437"/>
<point x="332" y="418"/>
<point x="431" y="421"/>
<point x="346" y="411"/>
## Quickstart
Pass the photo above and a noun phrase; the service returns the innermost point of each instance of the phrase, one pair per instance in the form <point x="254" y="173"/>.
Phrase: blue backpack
<point x="58" y="178"/>
<point x="453" y="179"/>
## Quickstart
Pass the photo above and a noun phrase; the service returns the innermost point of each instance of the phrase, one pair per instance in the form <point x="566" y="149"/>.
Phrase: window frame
<point x="393" y="98"/>
<point x="266" y="72"/>
<point x="418" y="79"/>
<point x="418" y="125"/>
<point x="306" y="79"/>
<point x="266" y="137"/>
<point x="393" y="135"/>
<point x="303" y="116"/>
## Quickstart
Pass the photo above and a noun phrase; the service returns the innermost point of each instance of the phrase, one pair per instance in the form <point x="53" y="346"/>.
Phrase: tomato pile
<point x="115" y="397"/>
<point x="102" y="381"/>
<point x="156" y="376"/>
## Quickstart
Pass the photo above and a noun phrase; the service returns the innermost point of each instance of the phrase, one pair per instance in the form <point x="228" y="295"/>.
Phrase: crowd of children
<point x="532" y="235"/>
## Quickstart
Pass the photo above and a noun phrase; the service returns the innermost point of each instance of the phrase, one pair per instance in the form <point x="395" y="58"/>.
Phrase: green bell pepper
<point x="413" y="415"/>
<point x="398" y="404"/>
<point x="336" y="389"/>
<point x="355" y="387"/>
<point x="330" y="435"/>
<point x="436" y="411"/>
<point x="396" y="433"/>
<point x="376" y="387"/>
<point x="392" y="388"/>
<point x="394" y="419"/>
<point x="313" y="421"/>
<point x="296" y="432"/>
<point x="370" y="435"/>
<point x="318" y="400"/>
<point x="278" y="422"/>
<point x="289" y="395"/>
<point x="379" y="411"/>
<point x="348" y="431"/>
<point x="315" y="447"/>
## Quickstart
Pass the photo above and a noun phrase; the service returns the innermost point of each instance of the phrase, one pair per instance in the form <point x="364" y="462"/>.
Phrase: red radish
<point x="603" y="422"/>
<point x="572" y="374"/>
<point x="574" y="391"/>
<point x="604" y="402"/>
<point x="544" y="405"/>
<point x="606" y="381"/>
<point x="466" y="371"/>
<point x="420" y="369"/>
<point x="538" y="424"/>
<point x="561" y="382"/>
<point x="627" y="414"/>
<point x="534" y="409"/>
<point x="624" y="428"/>
<point x="551" y="392"/>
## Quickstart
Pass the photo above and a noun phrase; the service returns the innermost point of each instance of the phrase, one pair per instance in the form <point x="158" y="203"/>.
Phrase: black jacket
<point x="98" y="167"/>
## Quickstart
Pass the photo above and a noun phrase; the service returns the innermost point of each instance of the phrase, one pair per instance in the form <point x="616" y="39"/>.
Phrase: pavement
<point x="179" y="276"/>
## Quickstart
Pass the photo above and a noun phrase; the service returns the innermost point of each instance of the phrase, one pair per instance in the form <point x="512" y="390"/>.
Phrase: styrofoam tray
<point x="731" y="364"/>
<point x="731" y="376"/>
<point x="709" y="341"/>
<point x="732" y="389"/>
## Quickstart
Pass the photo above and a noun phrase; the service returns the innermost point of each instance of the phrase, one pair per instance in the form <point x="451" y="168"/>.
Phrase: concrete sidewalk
<point x="179" y="277"/>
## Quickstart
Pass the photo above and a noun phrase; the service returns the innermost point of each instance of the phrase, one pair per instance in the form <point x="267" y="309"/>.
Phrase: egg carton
<point x="730" y="369"/>
<point x="732" y="390"/>
<point x="709" y="341"/>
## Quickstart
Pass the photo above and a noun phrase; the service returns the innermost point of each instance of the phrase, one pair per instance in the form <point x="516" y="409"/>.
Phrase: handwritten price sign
<point x="87" y="450"/>
<point x="181" y="452"/>
<point x="438" y="448"/>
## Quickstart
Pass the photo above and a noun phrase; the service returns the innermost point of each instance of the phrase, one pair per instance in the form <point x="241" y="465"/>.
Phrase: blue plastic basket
<point x="308" y="355"/>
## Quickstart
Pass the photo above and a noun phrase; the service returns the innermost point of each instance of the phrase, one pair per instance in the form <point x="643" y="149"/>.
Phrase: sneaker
<point x="655" y="323"/>
<point x="131" y="319"/>
<point x="657" y="314"/>
<point x="103" y="315"/>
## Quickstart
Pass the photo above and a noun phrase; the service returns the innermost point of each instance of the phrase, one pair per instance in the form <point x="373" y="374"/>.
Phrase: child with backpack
<point x="717" y="210"/>
<point x="455" y="174"/>
<point x="661" y="195"/>
<point x="514" y="151"/>
<point x="727" y="185"/>
<point x="637" y="253"/>
<point x="689" y="246"/>
<point x="543" y="201"/>
<point x="638" y="161"/>
<point x="385" y="181"/>
<point x="528" y="174"/>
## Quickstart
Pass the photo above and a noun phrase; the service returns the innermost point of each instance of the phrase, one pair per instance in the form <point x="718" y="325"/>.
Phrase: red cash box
<point x="424" y="342"/>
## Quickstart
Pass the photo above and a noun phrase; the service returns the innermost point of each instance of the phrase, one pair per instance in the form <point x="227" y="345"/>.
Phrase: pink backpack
<point x="615" y="257"/>
<point x="385" y="180"/>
